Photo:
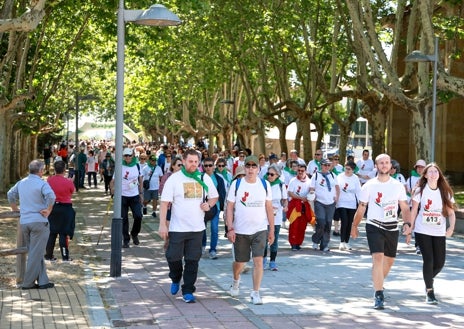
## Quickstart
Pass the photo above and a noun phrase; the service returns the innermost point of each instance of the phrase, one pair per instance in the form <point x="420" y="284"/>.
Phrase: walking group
<point x="257" y="196"/>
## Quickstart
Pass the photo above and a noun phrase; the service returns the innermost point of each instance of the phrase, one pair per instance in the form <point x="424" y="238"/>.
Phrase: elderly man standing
<point x="191" y="195"/>
<point x="249" y="214"/>
<point x="36" y="199"/>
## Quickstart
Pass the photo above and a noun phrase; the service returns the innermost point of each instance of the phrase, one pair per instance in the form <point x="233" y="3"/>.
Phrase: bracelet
<point x="409" y="224"/>
<point x="230" y="230"/>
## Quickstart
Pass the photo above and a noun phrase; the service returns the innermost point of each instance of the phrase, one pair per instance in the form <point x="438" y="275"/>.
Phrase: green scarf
<point x="290" y="171"/>
<point x="394" y="175"/>
<point x="131" y="164"/>
<point x="223" y="172"/>
<point x="196" y="175"/>
<point x="277" y="181"/>
<point x="415" y="173"/>
<point x="318" y="163"/>
<point x="335" y="171"/>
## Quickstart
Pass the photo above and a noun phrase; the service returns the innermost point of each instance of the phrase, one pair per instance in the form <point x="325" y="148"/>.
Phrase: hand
<point x="163" y="232"/>
<point x="408" y="239"/>
<point x="231" y="236"/>
<point x="270" y="238"/>
<point x="205" y="206"/>
<point x="45" y="212"/>
<point x="449" y="232"/>
<point x="407" y="229"/>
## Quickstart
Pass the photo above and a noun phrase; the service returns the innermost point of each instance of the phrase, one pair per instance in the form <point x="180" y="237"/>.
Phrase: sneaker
<point x="67" y="260"/>
<point x="175" y="286"/>
<point x="125" y="245"/>
<point x="430" y="298"/>
<point x="273" y="266"/>
<point x="189" y="298"/>
<point x="213" y="255"/>
<point x="294" y="248"/>
<point x="256" y="298"/>
<point x="326" y="249"/>
<point x="246" y="269"/>
<point x="348" y="246"/>
<point x="418" y="251"/>
<point x="335" y="233"/>
<point x="342" y="246"/>
<point x="298" y="247"/>
<point x="379" y="301"/>
<point x="135" y="238"/>
<point x="153" y="214"/>
<point x="315" y="246"/>
<point x="234" y="290"/>
<point x="47" y="285"/>
<point x="50" y="259"/>
<point x="144" y="210"/>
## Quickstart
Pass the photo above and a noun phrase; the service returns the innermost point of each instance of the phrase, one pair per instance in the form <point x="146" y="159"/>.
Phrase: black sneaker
<point x="136" y="240"/>
<point x="430" y="298"/>
<point x="144" y="210"/>
<point x="125" y="245"/>
<point x="153" y="214"/>
<point x="379" y="302"/>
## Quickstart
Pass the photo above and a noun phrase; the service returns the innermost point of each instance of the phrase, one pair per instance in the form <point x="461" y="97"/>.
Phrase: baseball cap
<point x="127" y="151"/>
<point x="325" y="161"/>
<point x="152" y="157"/>
<point x="252" y="158"/>
<point x="420" y="162"/>
<point x="273" y="157"/>
<point x="240" y="170"/>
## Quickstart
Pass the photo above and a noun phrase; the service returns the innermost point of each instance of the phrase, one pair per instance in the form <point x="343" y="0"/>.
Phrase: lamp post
<point x="79" y="98"/>
<point x="417" y="56"/>
<point x="156" y="15"/>
<point x="234" y="115"/>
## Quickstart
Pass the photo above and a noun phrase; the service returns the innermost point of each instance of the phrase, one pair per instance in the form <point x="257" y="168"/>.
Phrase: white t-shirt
<point x="312" y="167"/>
<point x="366" y="168"/>
<point x="130" y="180"/>
<point x="299" y="187"/>
<point x="350" y="187"/>
<point x="382" y="199"/>
<point x="320" y="184"/>
<point x="250" y="205"/>
<point x="186" y="196"/>
<point x="155" y="178"/>
<point x="278" y="193"/>
<point x="430" y="220"/>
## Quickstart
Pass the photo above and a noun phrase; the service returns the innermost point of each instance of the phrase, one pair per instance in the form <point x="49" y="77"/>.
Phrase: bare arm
<point x="357" y="219"/>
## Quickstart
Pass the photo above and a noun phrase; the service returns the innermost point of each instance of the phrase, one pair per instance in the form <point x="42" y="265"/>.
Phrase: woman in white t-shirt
<point x="432" y="204"/>
<point x="279" y="205"/>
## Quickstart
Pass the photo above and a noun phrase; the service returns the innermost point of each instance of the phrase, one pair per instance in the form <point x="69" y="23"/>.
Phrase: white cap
<point x="420" y="163"/>
<point x="127" y="151"/>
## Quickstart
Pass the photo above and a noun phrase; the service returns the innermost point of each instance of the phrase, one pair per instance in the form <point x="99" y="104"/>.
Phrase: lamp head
<point x="158" y="15"/>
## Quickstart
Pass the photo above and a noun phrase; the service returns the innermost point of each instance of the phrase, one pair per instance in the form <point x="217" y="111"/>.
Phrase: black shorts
<point x="381" y="240"/>
<point x="256" y="243"/>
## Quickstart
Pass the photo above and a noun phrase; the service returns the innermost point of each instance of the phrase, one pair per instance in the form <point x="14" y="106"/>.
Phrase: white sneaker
<point x="234" y="290"/>
<point x="342" y="246"/>
<point x="315" y="246"/>
<point x="256" y="298"/>
<point x="348" y="246"/>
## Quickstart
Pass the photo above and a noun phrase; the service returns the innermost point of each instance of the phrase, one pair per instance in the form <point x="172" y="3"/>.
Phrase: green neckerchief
<point x="131" y="164"/>
<point x="196" y="175"/>
<point x="277" y="181"/>
<point x="318" y="163"/>
<point x="290" y="171"/>
<point x="356" y="170"/>
<point x="394" y="175"/>
<point x="223" y="172"/>
<point x="415" y="173"/>
<point x="151" y="167"/>
<point x="335" y="171"/>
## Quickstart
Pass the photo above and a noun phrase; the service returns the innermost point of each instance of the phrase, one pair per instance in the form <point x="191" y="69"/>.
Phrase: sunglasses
<point x="179" y="165"/>
<point x="241" y="156"/>
<point x="271" y="174"/>
<point x="251" y="165"/>
<point x="208" y="165"/>
<point x="302" y="170"/>
<point x="127" y="155"/>
<point x="326" y="165"/>
<point x="220" y="166"/>
<point x="317" y="154"/>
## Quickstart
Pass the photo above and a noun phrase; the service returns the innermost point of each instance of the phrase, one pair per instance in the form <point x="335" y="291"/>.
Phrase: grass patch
<point x="459" y="196"/>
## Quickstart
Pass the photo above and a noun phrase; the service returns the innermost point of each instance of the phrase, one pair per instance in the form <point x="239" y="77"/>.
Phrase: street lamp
<point x="156" y="15"/>
<point x="234" y="115"/>
<point x="79" y="98"/>
<point x="417" y="56"/>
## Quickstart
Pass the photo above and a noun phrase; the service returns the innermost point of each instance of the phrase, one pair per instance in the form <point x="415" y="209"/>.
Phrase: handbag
<point x="211" y="213"/>
<point x="146" y="182"/>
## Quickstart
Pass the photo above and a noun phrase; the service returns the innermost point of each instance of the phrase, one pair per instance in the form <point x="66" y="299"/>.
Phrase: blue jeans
<point x="214" y="233"/>
<point x="324" y="215"/>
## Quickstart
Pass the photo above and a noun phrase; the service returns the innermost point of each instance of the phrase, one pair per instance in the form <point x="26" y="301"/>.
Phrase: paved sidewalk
<point x="312" y="289"/>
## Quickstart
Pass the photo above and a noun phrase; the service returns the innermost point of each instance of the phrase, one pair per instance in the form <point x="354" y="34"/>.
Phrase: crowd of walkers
<point x="257" y="195"/>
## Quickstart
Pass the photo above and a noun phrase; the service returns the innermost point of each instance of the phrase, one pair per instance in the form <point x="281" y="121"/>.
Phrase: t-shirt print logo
<point x="243" y="199"/>
<point x="126" y="175"/>
<point x="345" y="187"/>
<point x="378" y="200"/>
<point x="322" y="182"/>
<point x="192" y="190"/>
<point x="428" y="205"/>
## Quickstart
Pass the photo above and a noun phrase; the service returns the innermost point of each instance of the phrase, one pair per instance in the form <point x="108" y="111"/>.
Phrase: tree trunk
<point x="421" y="134"/>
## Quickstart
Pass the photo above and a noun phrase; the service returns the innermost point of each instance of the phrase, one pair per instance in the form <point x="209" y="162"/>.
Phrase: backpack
<point x="239" y="180"/>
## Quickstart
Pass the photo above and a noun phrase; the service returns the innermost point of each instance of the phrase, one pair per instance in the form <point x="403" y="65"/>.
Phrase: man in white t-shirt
<point x="249" y="213"/>
<point x="365" y="167"/>
<point x="315" y="164"/>
<point x="187" y="191"/>
<point x="382" y="195"/>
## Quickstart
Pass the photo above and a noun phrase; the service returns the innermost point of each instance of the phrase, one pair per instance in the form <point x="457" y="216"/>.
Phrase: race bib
<point x="431" y="218"/>
<point x="389" y="213"/>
